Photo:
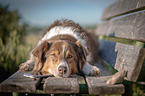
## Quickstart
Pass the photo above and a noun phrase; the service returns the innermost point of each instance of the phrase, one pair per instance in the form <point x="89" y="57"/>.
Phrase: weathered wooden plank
<point x="123" y="56"/>
<point x="18" y="83"/>
<point x="117" y="78"/>
<point x="129" y="27"/>
<point x="61" y="85"/>
<point x="97" y="85"/>
<point x="123" y="7"/>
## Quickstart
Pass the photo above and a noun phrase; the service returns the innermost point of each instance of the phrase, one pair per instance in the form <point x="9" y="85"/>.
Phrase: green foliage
<point x="12" y="48"/>
<point x="12" y="54"/>
<point x="138" y="90"/>
<point x="9" y="23"/>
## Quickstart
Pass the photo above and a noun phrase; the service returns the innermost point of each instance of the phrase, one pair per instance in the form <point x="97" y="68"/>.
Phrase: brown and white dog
<point x="65" y="49"/>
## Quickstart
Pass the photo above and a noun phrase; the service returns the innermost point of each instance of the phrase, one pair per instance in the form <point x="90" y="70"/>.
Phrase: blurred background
<point x="23" y="21"/>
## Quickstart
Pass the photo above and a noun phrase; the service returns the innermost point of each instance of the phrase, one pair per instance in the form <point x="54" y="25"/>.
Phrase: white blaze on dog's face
<point x="61" y="59"/>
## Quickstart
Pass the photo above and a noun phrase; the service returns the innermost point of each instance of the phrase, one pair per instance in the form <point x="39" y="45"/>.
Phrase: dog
<point x="65" y="49"/>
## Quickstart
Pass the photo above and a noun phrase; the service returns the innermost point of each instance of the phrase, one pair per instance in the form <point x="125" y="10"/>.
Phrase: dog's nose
<point x="62" y="70"/>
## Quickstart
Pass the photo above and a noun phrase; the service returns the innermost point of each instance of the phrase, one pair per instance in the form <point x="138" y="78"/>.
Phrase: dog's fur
<point x="65" y="49"/>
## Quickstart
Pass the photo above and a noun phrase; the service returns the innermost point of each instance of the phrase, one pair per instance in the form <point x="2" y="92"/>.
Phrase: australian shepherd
<point x="65" y="49"/>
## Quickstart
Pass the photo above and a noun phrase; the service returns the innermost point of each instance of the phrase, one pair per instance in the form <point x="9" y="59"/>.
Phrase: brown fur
<point x="45" y="58"/>
<point x="39" y="53"/>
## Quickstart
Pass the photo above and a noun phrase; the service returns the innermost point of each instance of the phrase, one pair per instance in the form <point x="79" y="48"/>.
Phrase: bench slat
<point x="61" y="85"/>
<point x="122" y="7"/>
<point x="97" y="86"/>
<point x="18" y="83"/>
<point x="129" y="27"/>
<point x="123" y="56"/>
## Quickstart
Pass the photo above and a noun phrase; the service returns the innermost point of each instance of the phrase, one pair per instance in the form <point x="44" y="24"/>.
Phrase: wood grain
<point x="122" y="7"/>
<point x="123" y="56"/>
<point x="18" y="83"/>
<point x="97" y="86"/>
<point x="61" y="85"/>
<point x="129" y="27"/>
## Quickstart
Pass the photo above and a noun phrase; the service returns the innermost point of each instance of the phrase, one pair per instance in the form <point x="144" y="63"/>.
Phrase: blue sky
<point x="45" y="12"/>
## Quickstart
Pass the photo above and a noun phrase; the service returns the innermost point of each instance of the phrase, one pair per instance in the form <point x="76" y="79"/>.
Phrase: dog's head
<point x="60" y="58"/>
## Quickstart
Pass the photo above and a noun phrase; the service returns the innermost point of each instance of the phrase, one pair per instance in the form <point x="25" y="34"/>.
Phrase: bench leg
<point x="128" y="88"/>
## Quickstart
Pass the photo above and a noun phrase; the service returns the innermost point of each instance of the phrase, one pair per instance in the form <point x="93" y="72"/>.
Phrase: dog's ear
<point x="44" y="46"/>
<point x="82" y="49"/>
<point x="82" y="53"/>
<point x="39" y="52"/>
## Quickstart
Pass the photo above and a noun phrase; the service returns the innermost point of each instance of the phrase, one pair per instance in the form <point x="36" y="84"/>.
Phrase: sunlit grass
<point x="14" y="53"/>
<point x="32" y="39"/>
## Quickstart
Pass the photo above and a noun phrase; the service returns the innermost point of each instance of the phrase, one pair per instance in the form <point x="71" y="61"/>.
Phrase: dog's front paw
<point x="90" y="70"/>
<point x="95" y="71"/>
<point x="26" y="66"/>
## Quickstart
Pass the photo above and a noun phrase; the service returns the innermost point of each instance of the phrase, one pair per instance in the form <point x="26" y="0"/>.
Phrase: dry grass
<point x="32" y="39"/>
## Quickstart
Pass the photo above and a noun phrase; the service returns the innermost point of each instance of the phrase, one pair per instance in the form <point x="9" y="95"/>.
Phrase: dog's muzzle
<point x="63" y="69"/>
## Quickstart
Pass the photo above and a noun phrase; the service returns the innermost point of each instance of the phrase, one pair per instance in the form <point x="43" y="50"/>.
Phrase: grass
<point x="13" y="53"/>
<point x="32" y="39"/>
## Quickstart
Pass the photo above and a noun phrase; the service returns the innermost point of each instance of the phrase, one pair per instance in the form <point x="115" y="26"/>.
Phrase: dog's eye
<point x="69" y="56"/>
<point x="53" y="54"/>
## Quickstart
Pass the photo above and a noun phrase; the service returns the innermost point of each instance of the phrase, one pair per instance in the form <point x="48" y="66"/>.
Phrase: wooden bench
<point x="122" y="21"/>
